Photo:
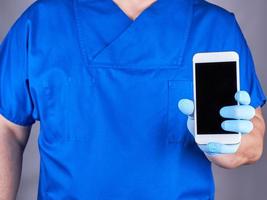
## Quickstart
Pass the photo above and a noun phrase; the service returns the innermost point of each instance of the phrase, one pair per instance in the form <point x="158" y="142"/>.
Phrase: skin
<point x="13" y="138"/>
<point x="250" y="149"/>
<point x="133" y="8"/>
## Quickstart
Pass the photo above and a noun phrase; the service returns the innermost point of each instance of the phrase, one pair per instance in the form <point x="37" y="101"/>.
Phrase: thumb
<point x="186" y="106"/>
<point x="242" y="97"/>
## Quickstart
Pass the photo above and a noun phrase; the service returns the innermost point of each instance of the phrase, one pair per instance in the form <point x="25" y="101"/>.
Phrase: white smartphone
<point x="216" y="80"/>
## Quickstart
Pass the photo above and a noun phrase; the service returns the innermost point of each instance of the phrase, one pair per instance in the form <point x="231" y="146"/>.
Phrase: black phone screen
<point x="216" y="85"/>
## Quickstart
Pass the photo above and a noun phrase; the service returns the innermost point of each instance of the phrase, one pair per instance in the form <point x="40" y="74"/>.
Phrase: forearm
<point x="10" y="165"/>
<point x="250" y="149"/>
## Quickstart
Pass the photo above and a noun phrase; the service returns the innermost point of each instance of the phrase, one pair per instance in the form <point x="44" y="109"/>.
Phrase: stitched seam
<point x="79" y="33"/>
<point x="181" y="56"/>
<point x="134" y="67"/>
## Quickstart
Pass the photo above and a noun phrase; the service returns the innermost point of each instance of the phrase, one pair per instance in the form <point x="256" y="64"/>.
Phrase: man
<point x="104" y="79"/>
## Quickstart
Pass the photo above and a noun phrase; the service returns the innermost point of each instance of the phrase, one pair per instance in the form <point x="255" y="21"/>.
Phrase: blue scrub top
<point x="105" y="90"/>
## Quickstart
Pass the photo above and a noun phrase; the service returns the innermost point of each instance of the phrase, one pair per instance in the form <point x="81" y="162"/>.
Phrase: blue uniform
<point x="105" y="90"/>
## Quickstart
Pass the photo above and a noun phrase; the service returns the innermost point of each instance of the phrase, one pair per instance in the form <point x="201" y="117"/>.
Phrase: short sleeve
<point x="15" y="99"/>
<point x="248" y="77"/>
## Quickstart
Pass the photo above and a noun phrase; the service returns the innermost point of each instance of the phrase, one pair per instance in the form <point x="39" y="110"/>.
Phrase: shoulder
<point x="212" y="13"/>
<point x="45" y="14"/>
<point x="215" y="26"/>
<point x="49" y="4"/>
<point x="46" y="8"/>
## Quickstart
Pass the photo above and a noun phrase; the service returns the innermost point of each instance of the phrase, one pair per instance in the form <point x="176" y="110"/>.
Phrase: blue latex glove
<point x="237" y="120"/>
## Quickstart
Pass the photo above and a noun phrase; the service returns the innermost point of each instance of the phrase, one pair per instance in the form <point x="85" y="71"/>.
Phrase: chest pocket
<point x="176" y="125"/>
<point x="51" y="97"/>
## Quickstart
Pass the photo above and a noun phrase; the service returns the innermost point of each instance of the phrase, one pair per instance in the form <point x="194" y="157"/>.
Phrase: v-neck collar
<point x="157" y="37"/>
<point x="120" y="9"/>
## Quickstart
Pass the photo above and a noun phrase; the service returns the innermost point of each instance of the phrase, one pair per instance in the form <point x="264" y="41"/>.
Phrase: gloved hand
<point x="238" y="120"/>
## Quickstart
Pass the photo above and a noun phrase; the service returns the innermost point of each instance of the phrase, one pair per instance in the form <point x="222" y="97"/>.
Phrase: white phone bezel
<point x="209" y="58"/>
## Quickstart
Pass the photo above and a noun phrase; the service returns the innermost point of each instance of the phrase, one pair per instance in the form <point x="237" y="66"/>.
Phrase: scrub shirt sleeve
<point x="248" y="77"/>
<point x="15" y="100"/>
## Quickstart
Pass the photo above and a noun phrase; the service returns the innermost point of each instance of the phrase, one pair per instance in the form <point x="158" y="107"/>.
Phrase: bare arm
<point x="13" y="139"/>
<point x="250" y="149"/>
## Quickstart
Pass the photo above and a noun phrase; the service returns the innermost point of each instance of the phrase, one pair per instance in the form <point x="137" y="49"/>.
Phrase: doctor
<point x="104" y="79"/>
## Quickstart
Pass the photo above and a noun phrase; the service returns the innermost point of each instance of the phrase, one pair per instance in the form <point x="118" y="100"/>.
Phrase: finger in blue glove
<point x="241" y="114"/>
<point x="218" y="148"/>
<point x="240" y="126"/>
<point x="246" y="112"/>
<point x="242" y="97"/>
<point x="186" y="106"/>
